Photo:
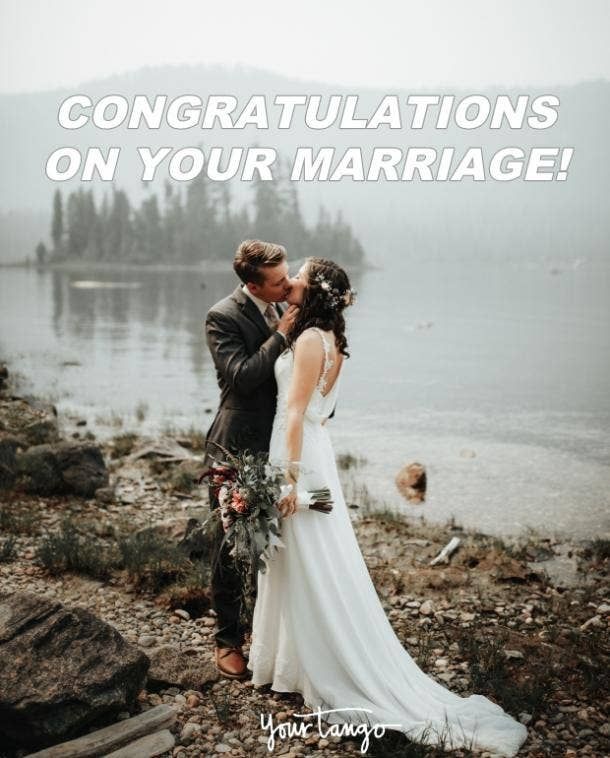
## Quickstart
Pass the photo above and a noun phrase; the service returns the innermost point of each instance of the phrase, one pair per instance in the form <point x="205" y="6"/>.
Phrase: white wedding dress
<point x="319" y="627"/>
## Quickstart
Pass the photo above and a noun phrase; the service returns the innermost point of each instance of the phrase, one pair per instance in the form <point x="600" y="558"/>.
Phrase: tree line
<point x="190" y="225"/>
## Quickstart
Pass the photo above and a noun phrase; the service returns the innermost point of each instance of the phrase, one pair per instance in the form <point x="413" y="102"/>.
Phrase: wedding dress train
<point x="319" y="627"/>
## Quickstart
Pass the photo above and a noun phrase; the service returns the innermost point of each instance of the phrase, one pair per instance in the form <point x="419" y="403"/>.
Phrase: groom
<point x="245" y="333"/>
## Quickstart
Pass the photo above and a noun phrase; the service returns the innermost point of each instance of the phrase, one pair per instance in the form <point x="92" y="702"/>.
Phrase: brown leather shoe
<point x="233" y="664"/>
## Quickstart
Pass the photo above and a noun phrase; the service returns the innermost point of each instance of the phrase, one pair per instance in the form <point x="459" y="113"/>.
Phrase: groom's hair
<point x="254" y="255"/>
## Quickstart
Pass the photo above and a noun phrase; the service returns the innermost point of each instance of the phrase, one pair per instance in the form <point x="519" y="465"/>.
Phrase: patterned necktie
<point x="271" y="317"/>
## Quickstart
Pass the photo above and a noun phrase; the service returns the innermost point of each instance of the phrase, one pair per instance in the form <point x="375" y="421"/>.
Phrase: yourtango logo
<point x="303" y="729"/>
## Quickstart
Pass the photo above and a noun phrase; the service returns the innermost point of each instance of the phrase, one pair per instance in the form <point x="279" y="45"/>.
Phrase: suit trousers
<point x="226" y="591"/>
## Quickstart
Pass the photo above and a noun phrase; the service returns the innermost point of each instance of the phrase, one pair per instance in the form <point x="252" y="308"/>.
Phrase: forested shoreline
<point x="188" y="226"/>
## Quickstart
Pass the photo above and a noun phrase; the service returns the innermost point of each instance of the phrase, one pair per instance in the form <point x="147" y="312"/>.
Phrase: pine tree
<point x="147" y="232"/>
<point x="200" y="224"/>
<point x="268" y="211"/>
<point x="172" y="223"/>
<point x="57" y="225"/>
<point x="120" y="230"/>
<point x="41" y="253"/>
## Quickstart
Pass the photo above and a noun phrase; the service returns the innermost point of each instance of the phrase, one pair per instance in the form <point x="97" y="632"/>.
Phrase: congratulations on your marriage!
<point x="315" y="113"/>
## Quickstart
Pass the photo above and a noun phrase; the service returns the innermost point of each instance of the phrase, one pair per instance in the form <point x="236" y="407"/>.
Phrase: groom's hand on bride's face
<point x="287" y="319"/>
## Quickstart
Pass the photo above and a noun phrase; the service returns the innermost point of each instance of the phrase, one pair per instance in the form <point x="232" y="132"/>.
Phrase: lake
<point x="494" y="375"/>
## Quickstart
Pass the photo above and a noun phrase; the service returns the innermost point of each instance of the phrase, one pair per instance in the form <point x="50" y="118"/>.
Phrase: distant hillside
<point x="408" y="219"/>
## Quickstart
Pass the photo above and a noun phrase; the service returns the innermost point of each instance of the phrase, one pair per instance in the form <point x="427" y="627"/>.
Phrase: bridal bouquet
<point x="248" y="489"/>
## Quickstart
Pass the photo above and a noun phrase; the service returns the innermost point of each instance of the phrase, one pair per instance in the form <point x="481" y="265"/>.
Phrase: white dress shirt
<point x="262" y="305"/>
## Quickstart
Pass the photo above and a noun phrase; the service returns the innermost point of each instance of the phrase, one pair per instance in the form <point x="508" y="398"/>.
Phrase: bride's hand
<point x="288" y="505"/>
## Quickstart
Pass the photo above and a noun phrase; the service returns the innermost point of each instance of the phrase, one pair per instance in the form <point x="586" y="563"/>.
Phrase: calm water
<point x="494" y="375"/>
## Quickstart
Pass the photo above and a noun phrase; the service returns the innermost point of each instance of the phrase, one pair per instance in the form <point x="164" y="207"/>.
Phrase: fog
<point x="472" y="44"/>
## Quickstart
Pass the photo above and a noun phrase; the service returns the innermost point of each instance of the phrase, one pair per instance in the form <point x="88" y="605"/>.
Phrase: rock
<point x="174" y="528"/>
<point x="146" y="640"/>
<point x="504" y="568"/>
<point x="467" y="453"/>
<point x="603" y="609"/>
<point x="105" y="495"/>
<point x="221" y="747"/>
<point x="63" y="468"/>
<point x="63" y="671"/>
<point x="35" y="422"/>
<point x="164" y="448"/>
<point x="446" y="676"/>
<point x="411" y="483"/>
<point x="170" y="666"/>
<point x="513" y="654"/>
<point x="426" y="608"/>
<point x="189" y="733"/>
<point x="525" y="718"/>
<point x="41" y="406"/>
<point x="593" y="621"/>
<point x="41" y="431"/>
<point x="184" y="615"/>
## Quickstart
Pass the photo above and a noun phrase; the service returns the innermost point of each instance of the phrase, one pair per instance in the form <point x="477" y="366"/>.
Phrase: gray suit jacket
<point x="244" y="351"/>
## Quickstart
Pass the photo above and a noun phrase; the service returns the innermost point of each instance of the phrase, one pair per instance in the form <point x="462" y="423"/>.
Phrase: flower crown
<point x="333" y="295"/>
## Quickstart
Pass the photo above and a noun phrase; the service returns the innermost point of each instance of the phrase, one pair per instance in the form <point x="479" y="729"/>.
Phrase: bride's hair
<point x="326" y="295"/>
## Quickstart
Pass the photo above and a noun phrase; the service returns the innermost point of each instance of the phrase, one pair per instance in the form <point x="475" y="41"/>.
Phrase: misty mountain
<point x="542" y="220"/>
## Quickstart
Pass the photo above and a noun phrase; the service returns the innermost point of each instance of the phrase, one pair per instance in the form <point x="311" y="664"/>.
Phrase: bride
<point x="319" y="627"/>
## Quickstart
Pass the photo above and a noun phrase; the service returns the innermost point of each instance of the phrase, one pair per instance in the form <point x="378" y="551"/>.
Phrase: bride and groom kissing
<point x="318" y="628"/>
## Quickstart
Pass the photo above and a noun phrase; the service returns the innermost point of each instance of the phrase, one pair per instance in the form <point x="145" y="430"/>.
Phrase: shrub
<point x="66" y="550"/>
<point x="8" y="550"/>
<point x="151" y="561"/>
<point x="346" y="461"/>
<point x="489" y="673"/>
<point x="17" y="520"/>
<point x="123" y="444"/>
<point x="182" y="481"/>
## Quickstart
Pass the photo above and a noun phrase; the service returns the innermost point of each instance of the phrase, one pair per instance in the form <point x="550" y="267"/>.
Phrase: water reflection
<point x="507" y="361"/>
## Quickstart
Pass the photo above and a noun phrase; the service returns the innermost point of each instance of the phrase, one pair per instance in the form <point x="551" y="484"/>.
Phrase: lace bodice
<point x="320" y="405"/>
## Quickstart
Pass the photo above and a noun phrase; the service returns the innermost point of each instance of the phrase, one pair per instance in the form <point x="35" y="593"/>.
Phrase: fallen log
<point x="146" y="747"/>
<point x="102" y="741"/>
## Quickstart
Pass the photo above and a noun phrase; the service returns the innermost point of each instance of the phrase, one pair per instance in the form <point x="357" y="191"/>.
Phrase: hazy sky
<point x="46" y="44"/>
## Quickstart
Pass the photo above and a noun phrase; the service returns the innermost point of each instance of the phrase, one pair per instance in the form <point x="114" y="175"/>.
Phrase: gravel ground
<point x="549" y="635"/>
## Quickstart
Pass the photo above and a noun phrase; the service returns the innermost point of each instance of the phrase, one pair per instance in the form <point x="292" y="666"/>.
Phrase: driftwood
<point x="446" y="552"/>
<point x="113" y="737"/>
<point x="164" y="448"/>
<point x="146" y="747"/>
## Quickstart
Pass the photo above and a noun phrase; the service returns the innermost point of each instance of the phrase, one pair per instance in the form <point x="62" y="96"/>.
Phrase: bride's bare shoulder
<point x="309" y="342"/>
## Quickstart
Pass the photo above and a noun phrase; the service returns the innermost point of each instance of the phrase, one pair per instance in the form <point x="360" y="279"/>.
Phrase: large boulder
<point x="34" y="420"/>
<point x="63" y="671"/>
<point x="76" y="468"/>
